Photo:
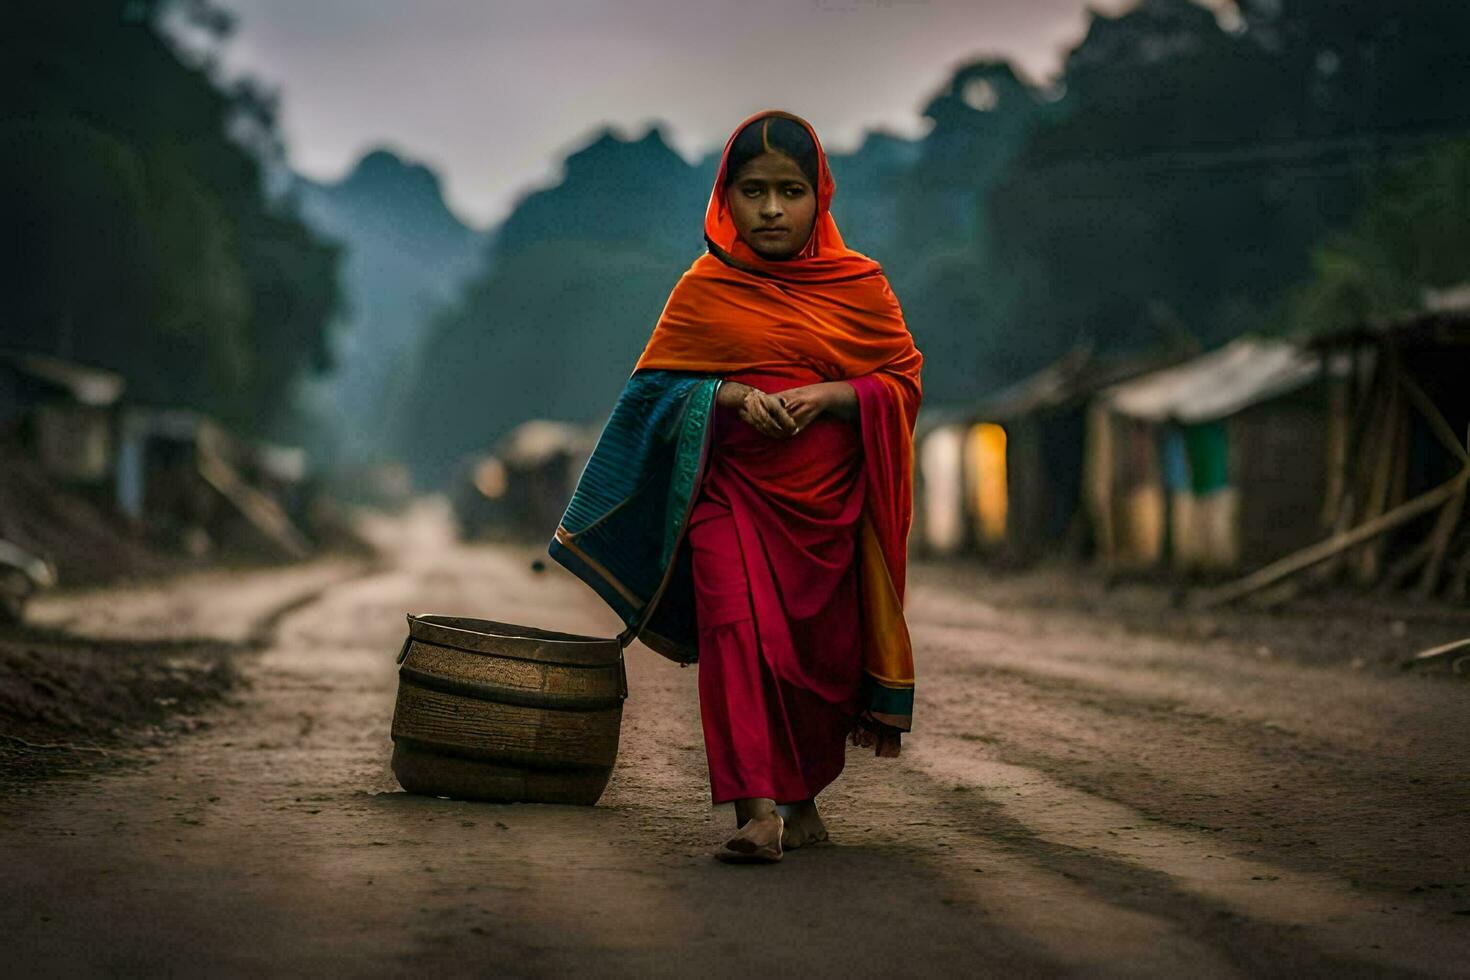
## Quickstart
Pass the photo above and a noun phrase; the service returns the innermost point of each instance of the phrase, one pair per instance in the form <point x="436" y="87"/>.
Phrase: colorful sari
<point x="778" y="564"/>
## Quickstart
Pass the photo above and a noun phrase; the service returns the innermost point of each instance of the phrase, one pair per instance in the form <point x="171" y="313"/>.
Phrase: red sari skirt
<point x="774" y="542"/>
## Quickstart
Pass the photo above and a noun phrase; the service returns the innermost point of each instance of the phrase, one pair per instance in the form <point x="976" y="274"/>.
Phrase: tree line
<point x="147" y="241"/>
<point x="1291" y="164"/>
<point x="1189" y="175"/>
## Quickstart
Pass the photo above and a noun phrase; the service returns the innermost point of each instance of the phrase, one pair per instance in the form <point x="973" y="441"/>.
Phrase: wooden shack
<point x="188" y="482"/>
<point x="1036" y="434"/>
<point x="1004" y="479"/>
<point x="540" y="462"/>
<point x="64" y="413"/>
<point x="1215" y="464"/>
<point x="1399" y="466"/>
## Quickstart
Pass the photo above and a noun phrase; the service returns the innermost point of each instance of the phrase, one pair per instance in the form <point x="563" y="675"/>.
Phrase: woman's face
<point x="773" y="205"/>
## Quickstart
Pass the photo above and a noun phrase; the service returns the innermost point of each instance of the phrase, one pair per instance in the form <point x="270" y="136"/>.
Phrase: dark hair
<point x="776" y="133"/>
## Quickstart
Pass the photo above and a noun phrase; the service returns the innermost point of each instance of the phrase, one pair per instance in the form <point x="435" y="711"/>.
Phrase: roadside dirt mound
<point x="61" y="701"/>
<point x="85" y="545"/>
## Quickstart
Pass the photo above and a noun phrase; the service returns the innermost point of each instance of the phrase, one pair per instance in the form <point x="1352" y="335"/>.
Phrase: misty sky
<point x="493" y="93"/>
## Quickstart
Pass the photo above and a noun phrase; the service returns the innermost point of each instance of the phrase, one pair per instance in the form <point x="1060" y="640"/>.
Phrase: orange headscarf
<point x="830" y="309"/>
<point x="824" y="257"/>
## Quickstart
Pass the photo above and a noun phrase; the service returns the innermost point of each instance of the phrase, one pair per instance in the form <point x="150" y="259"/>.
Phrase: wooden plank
<point x="1384" y="455"/>
<point x="260" y="510"/>
<point x="1362" y="444"/>
<point x="1449" y="518"/>
<point x="1459" y="648"/>
<point x="1339" y="433"/>
<point x="1437" y="423"/>
<point x="1398" y="490"/>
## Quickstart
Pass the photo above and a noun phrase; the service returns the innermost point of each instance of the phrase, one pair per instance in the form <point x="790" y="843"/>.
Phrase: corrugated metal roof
<point x="1216" y="385"/>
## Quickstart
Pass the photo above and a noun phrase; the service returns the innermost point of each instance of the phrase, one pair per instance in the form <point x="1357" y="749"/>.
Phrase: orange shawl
<point x="828" y="308"/>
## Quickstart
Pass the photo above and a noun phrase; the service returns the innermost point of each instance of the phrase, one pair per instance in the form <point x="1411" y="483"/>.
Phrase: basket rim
<point x="488" y="636"/>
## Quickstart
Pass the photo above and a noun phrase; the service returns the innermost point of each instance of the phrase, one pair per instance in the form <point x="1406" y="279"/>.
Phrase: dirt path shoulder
<point x="96" y="675"/>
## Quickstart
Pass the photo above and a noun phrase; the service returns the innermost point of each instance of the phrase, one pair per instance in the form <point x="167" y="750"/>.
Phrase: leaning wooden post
<point x="1307" y="557"/>
<point x="1455" y="652"/>
<point x="1439" y="538"/>
<point x="1382" y="455"/>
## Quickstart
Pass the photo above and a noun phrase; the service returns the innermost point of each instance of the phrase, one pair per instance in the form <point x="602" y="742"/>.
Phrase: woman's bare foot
<point x="803" y="826"/>
<point x="758" y="841"/>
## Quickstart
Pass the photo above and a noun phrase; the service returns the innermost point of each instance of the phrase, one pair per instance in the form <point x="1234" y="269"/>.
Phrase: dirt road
<point x="1079" y="799"/>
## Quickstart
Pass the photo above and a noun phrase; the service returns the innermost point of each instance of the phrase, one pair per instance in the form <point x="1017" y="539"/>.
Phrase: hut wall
<point x="1127" y="497"/>
<point x="1204" y="504"/>
<point x="74" y="442"/>
<point x="1143" y="518"/>
<point x="1205" y="530"/>
<point x="1279" y="461"/>
<point x="1026" y="490"/>
<point x="1064" y="435"/>
<point x="1098" y="481"/>
<point x="1044" y="466"/>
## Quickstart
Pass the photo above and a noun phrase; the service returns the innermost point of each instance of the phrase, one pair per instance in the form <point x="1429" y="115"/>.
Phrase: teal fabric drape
<point x="622" y="529"/>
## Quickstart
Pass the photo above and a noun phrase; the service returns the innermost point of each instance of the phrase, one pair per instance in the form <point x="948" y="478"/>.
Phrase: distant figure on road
<point x="749" y="501"/>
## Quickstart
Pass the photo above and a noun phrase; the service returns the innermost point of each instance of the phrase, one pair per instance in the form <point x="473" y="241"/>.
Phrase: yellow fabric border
<point x="888" y="654"/>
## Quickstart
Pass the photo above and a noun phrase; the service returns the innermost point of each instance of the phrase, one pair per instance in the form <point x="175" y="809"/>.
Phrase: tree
<point x="1412" y="235"/>
<point x="1193" y="169"/>
<point x="554" y="322"/>
<point x="150" y="244"/>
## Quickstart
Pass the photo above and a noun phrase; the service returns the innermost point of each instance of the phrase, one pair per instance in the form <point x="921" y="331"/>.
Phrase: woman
<point x="748" y="503"/>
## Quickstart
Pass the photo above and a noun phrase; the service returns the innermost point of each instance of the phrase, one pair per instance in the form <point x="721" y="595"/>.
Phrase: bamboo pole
<point x="1456" y="650"/>
<point x="1444" y="527"/>
<point x="1366" y="413"/>
<point x="1363" y="447"/>
<point x="1432" y="414"/>
<point x="1339" y="433"/>
<point x="1322" y="550"/>
<point x="1405" y="566"/>
<point x="1380" y="476"/>
<point x="1438" y="541"/>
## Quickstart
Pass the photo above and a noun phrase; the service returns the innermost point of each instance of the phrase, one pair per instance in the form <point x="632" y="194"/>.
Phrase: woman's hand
<point x="758" y="409"/>
<point x="809" y="402"/>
